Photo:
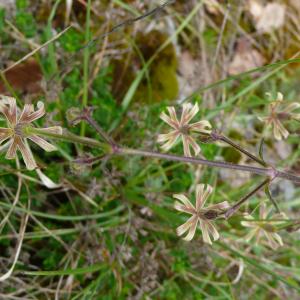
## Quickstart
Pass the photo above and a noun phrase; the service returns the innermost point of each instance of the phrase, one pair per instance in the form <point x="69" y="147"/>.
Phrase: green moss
<point x="71" y="41"/>
<point x="160" y="83"/>
<point x="25" y="20"/>
<point x="162" y="72"/>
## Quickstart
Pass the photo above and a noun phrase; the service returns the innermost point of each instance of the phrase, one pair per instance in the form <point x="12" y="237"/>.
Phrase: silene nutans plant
<point x="181" y="126"/>
<point x="149" y="150"/>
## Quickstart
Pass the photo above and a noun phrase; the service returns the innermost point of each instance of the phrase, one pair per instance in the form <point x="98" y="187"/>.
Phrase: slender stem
<point x="270" y="172"/>
<point x="8" y="86"/>
<point x="51" y="48"/>
<point x="291" y="226"/>
<point x="67" y="136"/>
<point x="86" y="57"/>
<point x="239" y="148"/>
<point x="198" y="161"/>
<point x="236" y="206"/>
<point x="102" y="133"/>
<point x="268" y="193"/>
<point x="288" y="176"/>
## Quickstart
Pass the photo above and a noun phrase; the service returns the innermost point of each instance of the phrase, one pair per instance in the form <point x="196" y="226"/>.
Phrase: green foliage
<point x="171" y="291"/>
<point x="51" y="255"/>
<point x="160" y="80"/>
<point x="25" y="20"/>
<point x="21" y="4"/>
<point x="124" y="245"/>
<point x="106" y="106"/>
<point x="71" y="41"/>
<point x="69" y="95"/>
<point x="181" y="261"/>
<point x="2" y="23"/>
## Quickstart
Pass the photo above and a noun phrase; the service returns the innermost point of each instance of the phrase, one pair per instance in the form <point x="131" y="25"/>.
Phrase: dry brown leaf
<point x="189" y="78"/>
<point x="268" y="17"/>
<point x="295" y="4"/>
<point x="256" y="8"/>
<point x="7" y="4"/>
<point x="25" y="77"/>
<point x="245" y="58"/>
<point x="212" y="6"/>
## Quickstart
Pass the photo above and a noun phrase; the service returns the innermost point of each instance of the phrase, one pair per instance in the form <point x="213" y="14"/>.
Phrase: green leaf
<point x="268" y="193"/>
<point x="261" y="149"/>
<point x="261" y="267"/>
<point x="91" y="269"/>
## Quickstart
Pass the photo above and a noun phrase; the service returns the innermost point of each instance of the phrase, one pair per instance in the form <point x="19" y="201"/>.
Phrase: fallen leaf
<point x="7" y="4"/>
<point x="188" y="74"/>
<point x="295" y="4"/>
<point x="245" y="58"/>
<point x="212" y="7"/>
<point x="25" y="78"/>
<point x="269" y="17"/>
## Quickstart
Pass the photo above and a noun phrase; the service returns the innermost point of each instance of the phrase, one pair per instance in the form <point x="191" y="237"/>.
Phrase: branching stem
<point x="239" y="148"/>
<point x="236" y="206"/>
<point x="114" y="149"/>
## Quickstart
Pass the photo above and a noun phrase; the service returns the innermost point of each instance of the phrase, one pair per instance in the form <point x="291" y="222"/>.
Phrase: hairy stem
<point x="268" y="193"/>
<point x="101" y="132"/>
<point x="270" y="172"/>
<point x="86" y="57"/>
<point x="228" y="141"/>
<point x="198" y="161"/>
<point x="69" y="137"/>
<point x="236" y="206"/>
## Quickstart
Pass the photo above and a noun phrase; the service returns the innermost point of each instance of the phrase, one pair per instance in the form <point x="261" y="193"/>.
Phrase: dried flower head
<point x="183" y="129"/>
<point x="278" y="113"/>
<point x="203" y="216"/>
<point x="263" y="227"/>
<point x="18" y="131"/>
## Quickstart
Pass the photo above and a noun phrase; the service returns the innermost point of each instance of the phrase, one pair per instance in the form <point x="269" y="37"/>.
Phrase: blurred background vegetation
<point x="225" y="55"/>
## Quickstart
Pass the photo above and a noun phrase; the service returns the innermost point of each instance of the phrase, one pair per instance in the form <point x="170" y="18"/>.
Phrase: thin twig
<point x="236" y="206"/>
<point x="198" y="161"/>
<point x="268" y="193"/>
<point x="36" y="50"/>
<point x="102" y="133"/>
<point x="270" y="172"/>
<point x="22" y="231"/>
<point x="127" y="22"/>
<point x="228" y="141"/>
<point x="220" y="37"/>
<point x="16" y="197"/>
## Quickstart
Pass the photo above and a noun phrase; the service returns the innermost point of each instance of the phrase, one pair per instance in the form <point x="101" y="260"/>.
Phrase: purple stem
<point x="270" y="172"/>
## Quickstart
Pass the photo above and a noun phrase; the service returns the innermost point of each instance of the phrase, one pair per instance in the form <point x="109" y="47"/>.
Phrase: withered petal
<point x="42" y="143"/>
<point x="26" y="154"/>
<point x="185" y="226"/>
<point x="30" y="117"/>
<point x="192" y="231"/>
<point x="188" y="113"/>
<point x="184" y="200"/>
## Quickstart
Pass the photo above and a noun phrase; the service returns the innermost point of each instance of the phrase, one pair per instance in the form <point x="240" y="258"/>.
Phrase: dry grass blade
<point x="19" y="245"/>
<point x="36" y="50"/>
